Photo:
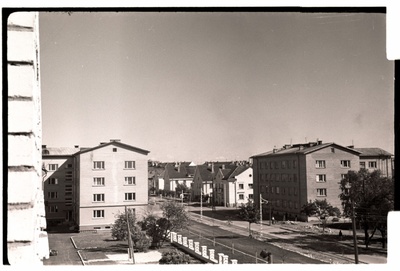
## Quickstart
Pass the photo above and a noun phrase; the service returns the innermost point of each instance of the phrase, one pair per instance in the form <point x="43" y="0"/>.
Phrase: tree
<point x="249" y="212"/>
<point x="120" y="231"/>
<point x="372" y="196"/>
<point x="320" y="209"/>
<point x="174" y="257"/>
<point x="157" y="228"/>
<point x="175" y="213"/>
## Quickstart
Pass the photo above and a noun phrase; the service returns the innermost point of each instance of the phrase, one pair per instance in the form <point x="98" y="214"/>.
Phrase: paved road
<point x="250" y="246"/>
<point x="67" y="254"/>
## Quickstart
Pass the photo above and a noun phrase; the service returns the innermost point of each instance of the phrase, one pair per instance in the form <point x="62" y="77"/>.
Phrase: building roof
<point x="373" y="152"/>
<point x="60" y="151"/>
<point x="115" y="143"/>
<point x="205" y="172"/>
<point x="305" y="148"/>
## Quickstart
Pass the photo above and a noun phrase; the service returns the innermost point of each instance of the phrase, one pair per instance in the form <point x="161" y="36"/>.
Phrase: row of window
<point x="322" y="164"/>
<point x="96" y="165"/>
<point x="100" y="181"/>
<point x="101" y="165"/>
<point x="276" y="165"/>
<point x="130" y="196"/>
<point x="278" y="177"/>
<point x="293" y="164"/>
<point x="278" y="190"/>
<point x="371" y="164"/>
<point x="250" y="196"/>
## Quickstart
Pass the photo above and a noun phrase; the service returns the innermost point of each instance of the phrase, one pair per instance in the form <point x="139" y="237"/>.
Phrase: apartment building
<point x="58" y="184"/>
<point x="234" y="185"/>
<point x="376" y="159"/>
<point x="177" y="173"/>
<point x="89" y="187"/>
<point x="296" y="174"/>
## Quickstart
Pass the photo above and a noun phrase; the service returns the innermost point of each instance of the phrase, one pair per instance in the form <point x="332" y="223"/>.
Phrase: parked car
<point x="53" y="252"/>
<point x="335" y="219"/>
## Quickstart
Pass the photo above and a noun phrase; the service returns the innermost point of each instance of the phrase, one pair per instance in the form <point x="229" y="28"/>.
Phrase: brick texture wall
<point x="27" y="243"/>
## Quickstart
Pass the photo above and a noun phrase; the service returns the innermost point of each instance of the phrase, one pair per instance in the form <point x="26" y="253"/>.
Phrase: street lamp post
<point x="261" y="203"/>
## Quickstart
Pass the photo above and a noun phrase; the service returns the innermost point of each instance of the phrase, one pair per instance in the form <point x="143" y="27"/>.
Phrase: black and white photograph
<point x="189" y="135"/>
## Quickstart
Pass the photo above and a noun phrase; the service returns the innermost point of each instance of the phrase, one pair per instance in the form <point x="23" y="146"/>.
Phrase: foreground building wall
<point x="27" y="243"/>
<point x="110" y="177"/>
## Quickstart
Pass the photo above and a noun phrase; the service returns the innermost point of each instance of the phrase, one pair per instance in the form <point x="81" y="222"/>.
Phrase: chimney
<point x="319" y="142"/>
<point x="76" y="146"/>
<point x="102" y="143"/>
<point x="274" y="149"/>
<point x="115" y="140"/>
<point x="212" y="167"/>
<point x="351" y="146"/>
<point x="44" y="146"/>
<point x="223" y="166"/>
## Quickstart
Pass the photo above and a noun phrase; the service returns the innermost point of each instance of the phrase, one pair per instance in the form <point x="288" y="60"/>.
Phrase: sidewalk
<point x="289" y="236"/>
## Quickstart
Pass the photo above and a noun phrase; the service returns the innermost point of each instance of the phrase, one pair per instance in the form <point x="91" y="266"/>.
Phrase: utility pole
<point x="131" y="252"/>
<point x="201" y="202"/>
<point x="261" y="203"/>
<point x="354" y="233"/>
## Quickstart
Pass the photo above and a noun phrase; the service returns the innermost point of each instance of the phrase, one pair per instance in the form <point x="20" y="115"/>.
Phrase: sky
<point x="202" y="86"/>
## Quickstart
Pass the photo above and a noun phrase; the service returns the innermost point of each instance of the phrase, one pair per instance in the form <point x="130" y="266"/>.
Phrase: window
<point x="296" y="205"/>
<point x="362" y="164"/>
<point x="372" y="164"/>
<point x="278" y="177"/>
<point x="321" y="178"/>
<point x="53" y="209"/>
<point x="53" y="181"/>
<point x="98" y="197"/>
<point x="129" y="164"/>
<point x="294" y="177"/>
<point x="251" y="196"/>
<point x="69" y="166"/>
<point x="321" y="192"/>
<point x="98" y="181"/>
<point x="53" y="167"/>
<point x="98" y="213"/>
<point x="345" y="163"/>
<point x="98" y="164"/>
<point x="277" y="189"/>
<point x="241" y="186"/>
<point x="283" y="164"/>
<point x="52" y="195"/>
<point x="332" y="150"/>
<point x="320" y="163"/>
<point x="295" y="191"/>
<point x="241" y="196"/>
<point x="114" y="149"/>
<point x="346" y="191"/>
<point x="278" y="203"/>
<point x="130" y="196"/>
<point x="294" y="163"/>
<point x="276" y="165"/>
<point x="130" y="180"/>
<point x="250" y="186"/>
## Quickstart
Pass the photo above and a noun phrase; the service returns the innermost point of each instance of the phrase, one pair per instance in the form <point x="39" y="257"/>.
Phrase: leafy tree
<point x="120" y="231"/>
<point x="174" y="257"/>
<point x="175" y="213"/>
<point x="157" y="228"/>
<point x="372" y="196"/>
<point x="120" y="227"/>
<point x="181" y="187"/>
<point x="320" y="209"/>
<point x="250" y="213"/>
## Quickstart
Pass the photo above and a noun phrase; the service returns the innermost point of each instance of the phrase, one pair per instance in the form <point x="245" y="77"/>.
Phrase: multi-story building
<point x="296" y="174"/>
<point x="59" y="182"/>
<point x="234" y="185"/>
<point x="376" y="159"/>
<point x="178" y="173"/>
<point x="88" y="187"/>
